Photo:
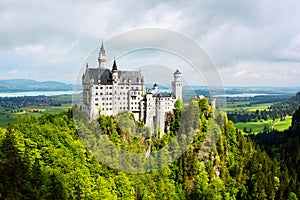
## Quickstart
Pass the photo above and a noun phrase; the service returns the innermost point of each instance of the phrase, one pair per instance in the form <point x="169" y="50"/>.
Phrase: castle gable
<point x="132" y="77"/>
<point x="101" y="76"/>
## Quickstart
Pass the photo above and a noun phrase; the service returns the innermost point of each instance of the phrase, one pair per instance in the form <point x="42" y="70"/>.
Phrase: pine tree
<point x="12" y="169"/>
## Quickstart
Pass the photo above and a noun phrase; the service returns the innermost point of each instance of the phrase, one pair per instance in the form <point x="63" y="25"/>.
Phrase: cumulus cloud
<point x="291" y="51"/>
<point x="262" y="73"/>
<point x="51" y="38"/>
<point x="12" y="72"/>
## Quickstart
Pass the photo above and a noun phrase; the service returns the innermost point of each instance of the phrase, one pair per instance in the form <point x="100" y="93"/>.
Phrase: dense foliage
<point x="284" y="147"/>
<point x="44" y="158"/>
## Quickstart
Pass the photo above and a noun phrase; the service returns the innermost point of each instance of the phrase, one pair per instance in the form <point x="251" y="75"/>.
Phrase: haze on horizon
<point x="252" y="43"/>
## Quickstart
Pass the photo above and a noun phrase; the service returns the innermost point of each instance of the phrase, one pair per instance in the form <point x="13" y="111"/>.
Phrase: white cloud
<point x="30" y="49"/>
<point x="12" y="72"/>
<point x="51" y="38"/>
<point x="291" y="51"/>
<point x="261" y="73"/>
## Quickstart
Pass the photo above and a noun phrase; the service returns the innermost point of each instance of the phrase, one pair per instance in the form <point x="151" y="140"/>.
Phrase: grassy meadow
<point x="259" y="126"/>
<point x="8" y="115"/>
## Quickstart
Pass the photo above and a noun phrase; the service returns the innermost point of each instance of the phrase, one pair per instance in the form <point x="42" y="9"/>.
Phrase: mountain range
<point x="24" y="85"/>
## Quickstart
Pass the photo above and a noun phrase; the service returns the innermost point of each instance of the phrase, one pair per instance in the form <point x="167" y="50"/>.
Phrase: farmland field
<point x="259" y="126"/>
<point x="7" y="116"/>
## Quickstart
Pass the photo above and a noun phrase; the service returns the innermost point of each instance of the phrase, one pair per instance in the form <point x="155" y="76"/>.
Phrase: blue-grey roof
<point x="105" y="76"/>
<point x="177" y="72"/>
<point x="163" y="94"/>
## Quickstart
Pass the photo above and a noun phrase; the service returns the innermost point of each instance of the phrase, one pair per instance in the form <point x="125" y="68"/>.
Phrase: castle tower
<point x="213" y="102"/>
<point x="155" y="89"/>
<point x="177" y="85"/>
<point x="102" y="57"/>
<point x="115" y="73"/>
<point x="115" y="81"/>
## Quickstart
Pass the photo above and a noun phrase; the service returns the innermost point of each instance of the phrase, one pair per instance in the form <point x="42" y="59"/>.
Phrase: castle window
<point x="96" y="87"/>
<point x="96" y="104"/>
<point x="110" y="87"/>
<point x="101" y="93"/>
<point x="127" y="87"/>
<point x="96" y="99"/>
<point x="122" y="87"/>
<point x="101" y="87"/>
<point x="96" y="93"/>
<point x="110" y="93"/>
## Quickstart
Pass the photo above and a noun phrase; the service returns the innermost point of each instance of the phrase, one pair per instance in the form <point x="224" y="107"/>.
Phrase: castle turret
<point x="213" y="102"/>
<point x="155" y="89"/>
<point x="102" y="57"/>
<point x="177" y="85"/>
<point x="114" y="70"/>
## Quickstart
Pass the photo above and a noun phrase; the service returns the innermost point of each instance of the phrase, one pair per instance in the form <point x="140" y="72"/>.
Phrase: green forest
<point x="55" y="157"/>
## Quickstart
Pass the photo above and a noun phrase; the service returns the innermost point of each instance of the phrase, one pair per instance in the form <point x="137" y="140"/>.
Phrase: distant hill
<point x="24" y="85"/>
<point x="288" y="106"/>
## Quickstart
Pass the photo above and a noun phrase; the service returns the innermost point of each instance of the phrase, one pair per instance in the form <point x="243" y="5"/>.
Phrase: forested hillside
<point x="284" y="147"/>
<point x="21" y="85"/>
<point x="44" y="158"/>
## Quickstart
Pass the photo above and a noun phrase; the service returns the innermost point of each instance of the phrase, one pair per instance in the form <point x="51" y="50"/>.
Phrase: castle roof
<point x="177" y="72"/>
<point x="115" y="68"/>
<point x="162" y="94"/>
<point x="102" y="50"/>
<point x="135" y="77"/>
<point x="105" y="76"/>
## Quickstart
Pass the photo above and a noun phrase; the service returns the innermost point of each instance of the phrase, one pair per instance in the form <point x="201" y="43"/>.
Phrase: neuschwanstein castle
<point x="109" y="92"/>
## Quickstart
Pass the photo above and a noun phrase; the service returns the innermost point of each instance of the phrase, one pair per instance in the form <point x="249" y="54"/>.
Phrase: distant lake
<point x="36" y="93"/>
<point x="244" y="95"/>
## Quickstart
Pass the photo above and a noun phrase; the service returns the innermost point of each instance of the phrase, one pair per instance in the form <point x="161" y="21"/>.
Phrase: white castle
<point x="109" y="92"/>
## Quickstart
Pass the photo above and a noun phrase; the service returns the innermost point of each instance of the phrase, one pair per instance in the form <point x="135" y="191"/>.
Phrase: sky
<point x="251" y="43"/>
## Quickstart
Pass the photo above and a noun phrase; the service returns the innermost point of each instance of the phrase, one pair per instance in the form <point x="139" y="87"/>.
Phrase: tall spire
<point x="102" y="50"/>
<point x="115" y="77"/>
<point x="115" y="68"/>
<point x="102" y="57"/>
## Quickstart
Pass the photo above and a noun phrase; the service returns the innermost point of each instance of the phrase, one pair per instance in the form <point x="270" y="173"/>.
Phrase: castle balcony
<point x="134" y="93"/>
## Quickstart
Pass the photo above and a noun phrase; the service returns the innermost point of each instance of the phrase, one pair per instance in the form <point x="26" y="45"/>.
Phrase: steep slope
<point x="42" y="158"/>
